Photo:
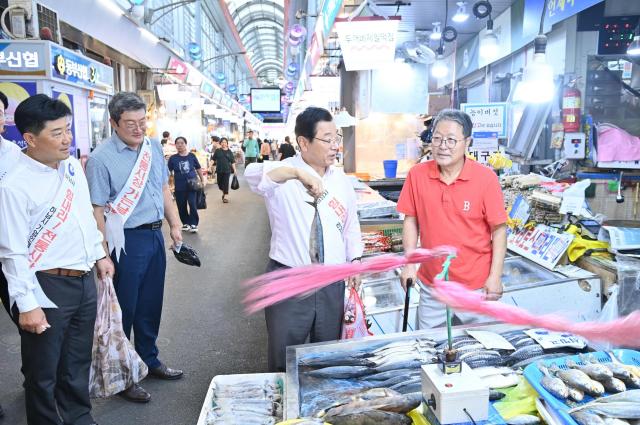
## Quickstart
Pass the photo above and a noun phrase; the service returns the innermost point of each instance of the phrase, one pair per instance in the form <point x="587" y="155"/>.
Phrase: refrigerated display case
<point x="384" y="298"/>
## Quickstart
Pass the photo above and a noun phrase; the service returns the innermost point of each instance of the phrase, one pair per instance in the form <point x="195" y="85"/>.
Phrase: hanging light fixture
<point x="436" y="34"/>
<point x="634" y="47"/>
<point x="439" y="69"/>
<point x="537" y="84"/>
<point x="489" y="43"/>
<point x="461" y="14"/>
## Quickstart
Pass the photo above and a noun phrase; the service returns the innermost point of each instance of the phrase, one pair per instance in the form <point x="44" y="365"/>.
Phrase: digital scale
<point x="455" y="397"/>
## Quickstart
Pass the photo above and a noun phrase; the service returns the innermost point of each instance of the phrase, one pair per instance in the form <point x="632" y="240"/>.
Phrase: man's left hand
<point x="354" y="282"/>
<point x="176" y="235"/>
<point x="493" y="288"/>
<point x="105" y="268"/>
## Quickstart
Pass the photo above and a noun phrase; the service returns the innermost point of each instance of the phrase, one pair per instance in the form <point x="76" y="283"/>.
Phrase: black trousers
<point x="56" y="363"/>
<point x="223" y="182"/>
<point x="188" y="207"/>
<point x="317" y="317"/>
<point x="249" y="160"/>
<point x="4" y="293"/>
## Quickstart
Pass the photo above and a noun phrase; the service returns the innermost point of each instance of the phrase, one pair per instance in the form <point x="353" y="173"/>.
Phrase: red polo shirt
<point x="460" y="214"/>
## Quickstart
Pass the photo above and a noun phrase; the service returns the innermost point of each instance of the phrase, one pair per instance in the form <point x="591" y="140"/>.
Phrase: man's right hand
<point x="34" y="321"/>
<point x="408" y="272"/>
<point x="311" y="183"/>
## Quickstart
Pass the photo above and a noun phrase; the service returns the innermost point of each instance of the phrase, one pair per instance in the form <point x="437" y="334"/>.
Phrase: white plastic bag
<point x="115" y="365"/>
<point x="609" y="312"/>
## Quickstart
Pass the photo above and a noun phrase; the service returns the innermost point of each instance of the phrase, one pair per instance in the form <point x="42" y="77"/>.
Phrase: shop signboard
<point x="177" y="69"/>
<point x="79" y="70"/>
<point x="484" y="145"/>
<point x="16" y="92"/>
<point x="207" y="89"/>
<point x="22" y="59"/>
<point x="488" y="117"/>
<point x="557" y="10"/>
<point x="540" y="244"/>
<point x="367" y="43"/>
<point x="330" y="10"/>
<point x="67" y="99"/>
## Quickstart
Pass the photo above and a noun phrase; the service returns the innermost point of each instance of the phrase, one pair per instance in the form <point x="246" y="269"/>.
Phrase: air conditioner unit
<point x="28" y="18"/>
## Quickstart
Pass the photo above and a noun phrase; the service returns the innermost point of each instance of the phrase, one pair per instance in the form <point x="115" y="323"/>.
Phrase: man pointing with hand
<point x="313" y="216"/>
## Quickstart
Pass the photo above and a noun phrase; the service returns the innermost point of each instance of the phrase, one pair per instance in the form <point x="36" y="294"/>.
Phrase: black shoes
<point x="136" y="394"/>
<point x="166" y="373"/>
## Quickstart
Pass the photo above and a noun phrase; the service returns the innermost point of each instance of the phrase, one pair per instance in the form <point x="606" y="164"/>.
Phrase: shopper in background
<point x="166" y="136"/>
<point x="454" y="201"/>
<point x="299" y="192"/>
<point x="188" y="179"/>
<point x="141" y="263"/>
<point x="48" y="263"/>
<point x="286" y="150"/>
<point x="251" y="149"/>
<point x="225" y="166"/>
<point x="274" y="150"/>
<point x="265" y="150"/>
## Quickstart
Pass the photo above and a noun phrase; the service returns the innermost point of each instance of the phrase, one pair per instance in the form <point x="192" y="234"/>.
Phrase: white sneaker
<point x="194" y="229"/>
<point x="186" y="227"/>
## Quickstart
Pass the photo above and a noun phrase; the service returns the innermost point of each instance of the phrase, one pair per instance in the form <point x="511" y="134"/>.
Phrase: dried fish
<point x="341" y="372"/>
<point x="575" y="394"/>
<point x="614" y="409"/>
<point x="596" y="371"/>
<point x="587" y="418"/>
<point x="614" y="385"/>
<point x="577" y="379"/>
<point x="554" y="385"/>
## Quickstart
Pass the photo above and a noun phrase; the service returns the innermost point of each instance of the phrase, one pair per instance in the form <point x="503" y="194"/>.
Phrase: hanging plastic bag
<point x="609" y="312"/>
<point x="201" y="200"/>
<point x="354" y="323"/>
<point x="115" y="364"/>
<point x="235" y="185"/>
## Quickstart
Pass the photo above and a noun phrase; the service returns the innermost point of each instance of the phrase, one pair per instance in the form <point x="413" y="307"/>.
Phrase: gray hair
<point x="123" y="102"/>
<point x="456" y="116"/>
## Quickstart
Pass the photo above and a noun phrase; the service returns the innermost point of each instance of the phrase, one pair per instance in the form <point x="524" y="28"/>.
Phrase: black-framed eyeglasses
<point x="449" y="142"/>
<point x="337" y="140"/>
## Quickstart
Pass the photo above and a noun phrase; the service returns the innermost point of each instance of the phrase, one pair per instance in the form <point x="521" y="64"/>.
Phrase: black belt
<point x="150" y="226"/>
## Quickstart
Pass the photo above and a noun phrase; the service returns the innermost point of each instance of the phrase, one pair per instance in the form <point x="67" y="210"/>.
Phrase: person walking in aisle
<point x="128" y="180"/>
<point x="286" y="150"/>
<point x="225" y="166"/>
<point x="313" y="215"/>
<point x="10" y="153"/>
<point x="186" y="171"/>
<point x="265" y="151"/>
<point x="49" y="245"/>
<point x="251" y="149"/>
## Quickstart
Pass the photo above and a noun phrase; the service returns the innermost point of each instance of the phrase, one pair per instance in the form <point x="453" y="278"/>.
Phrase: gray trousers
<point x="317" y="317"/>
<point x="56" y="363"/>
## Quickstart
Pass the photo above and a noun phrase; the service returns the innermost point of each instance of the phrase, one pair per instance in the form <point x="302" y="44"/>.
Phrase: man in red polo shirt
<point x="454" y="201"/>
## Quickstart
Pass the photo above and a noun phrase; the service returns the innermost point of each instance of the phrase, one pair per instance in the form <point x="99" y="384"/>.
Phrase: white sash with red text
<point x="333" y="213"/>
<point x="118" y="212"/>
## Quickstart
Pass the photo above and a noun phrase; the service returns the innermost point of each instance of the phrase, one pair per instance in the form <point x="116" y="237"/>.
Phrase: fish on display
<point x="404" y="364"/>
<point x="614" y="409"/>
<point x="495" y="382"/>
<point x="370" y="417"/>
<point x="614" y="421"/>
<point x="631" y="396"/>
<point x="399" y="379"/>
<point x="496" y="395"/>
<point x="618" y="369"/>
<point x="481" y="372"/>
<point x="578" y="379"/>
<point x="526" y="362"/>
<point x="341" y="372"/>
<point x="575" y="394"/>
<point x="596" y="371"/>
<point x="411" y="386"/>
<point x="614" y="385"/>
<point x="383" y="376"/>
<point x="334" y="359"/>
<point x="524" y="353"/>
<point x="554" y="385"/>
<point x="396" y="404"/>
<point x="587" y="418"/>
<point x="523" y="420"/>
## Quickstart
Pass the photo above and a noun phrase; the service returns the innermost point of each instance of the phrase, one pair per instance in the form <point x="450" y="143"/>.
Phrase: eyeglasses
<point x="337" y="140"/>
<point x="449" y="142"/>
<point x="132" y="125"/>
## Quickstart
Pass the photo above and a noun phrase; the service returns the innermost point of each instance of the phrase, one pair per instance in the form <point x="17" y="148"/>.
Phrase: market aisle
<point x="204" y="330"/>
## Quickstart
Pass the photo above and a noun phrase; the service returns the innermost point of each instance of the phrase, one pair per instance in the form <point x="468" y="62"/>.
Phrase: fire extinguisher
<point x="571" y="107"/>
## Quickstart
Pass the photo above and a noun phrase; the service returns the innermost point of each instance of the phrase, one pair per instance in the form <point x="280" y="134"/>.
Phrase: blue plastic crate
<point x="534" y="376"/>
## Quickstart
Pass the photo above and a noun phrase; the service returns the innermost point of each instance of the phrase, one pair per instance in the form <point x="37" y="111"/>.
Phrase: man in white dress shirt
<point x="49" y="244"/>
<point x="313" y="216"/>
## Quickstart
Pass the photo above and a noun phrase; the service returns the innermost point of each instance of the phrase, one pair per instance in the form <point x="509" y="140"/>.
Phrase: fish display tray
<point x="534" y="376"/>
<point x="233" y="379"/>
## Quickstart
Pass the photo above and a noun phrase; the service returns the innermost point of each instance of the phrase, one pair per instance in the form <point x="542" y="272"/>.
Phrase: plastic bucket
<point x="390" y="168"/>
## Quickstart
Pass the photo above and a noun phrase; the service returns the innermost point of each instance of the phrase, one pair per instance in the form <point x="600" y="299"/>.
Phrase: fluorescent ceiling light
<point x="537" y="85"/>
<point x="489" y="43"/>
<point x="436" y="34"/>
<point x="439" y="69"/>
<point x="461" y="15"/>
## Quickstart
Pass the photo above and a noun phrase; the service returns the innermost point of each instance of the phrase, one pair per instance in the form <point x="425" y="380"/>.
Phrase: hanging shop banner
<point x="16" y="93"/>
<point x="22" y="59"/>
<point x="67" y="99"/>
<point x="367" y="43"/>
<point x="557" y="10"/>
<point x="541" y="244"/>
<point x="177" y="69"/>
<point x="79" y="70"/>
<point x="488" y="117"/>
<point x="330" y="10"/>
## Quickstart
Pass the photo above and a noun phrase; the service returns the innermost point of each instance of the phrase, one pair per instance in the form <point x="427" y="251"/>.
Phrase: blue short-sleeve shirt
<point x="108" y="169"/>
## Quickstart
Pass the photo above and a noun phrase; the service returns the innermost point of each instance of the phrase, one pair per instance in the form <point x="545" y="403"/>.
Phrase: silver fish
<point x="615" y="409"/>
<point x="413" y="364"/>
<point x="575" y="394"/>
<point x="554" y="385"/>
<point x="523" y="420"/>
<point x="617" y="368"/>
<point x="316" y="238"/>
<point x="575" y="378"/>
<point x="383" y="376"/>
<point x="596" y="371"/>
<point x="615" y="421"/>
<point x="614" y="385"/>
<point x="411" y="386"/>
<point x="631" y="396"/>
<point x="341" y="372"/>
<point x="587" y="418"/>
<point x="370" y="417"/>
<point x="526" y="352"/>
<point x="399" y="379"/>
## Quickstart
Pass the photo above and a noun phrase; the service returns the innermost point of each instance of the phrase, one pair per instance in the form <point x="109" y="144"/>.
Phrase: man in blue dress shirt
<point x="140" y="268"/>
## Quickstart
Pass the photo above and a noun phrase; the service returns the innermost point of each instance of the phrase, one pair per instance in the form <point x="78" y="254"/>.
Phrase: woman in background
<point x="186" y="169"/>
<point x="265" y="150"/>
<point x="225" y="165"/>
